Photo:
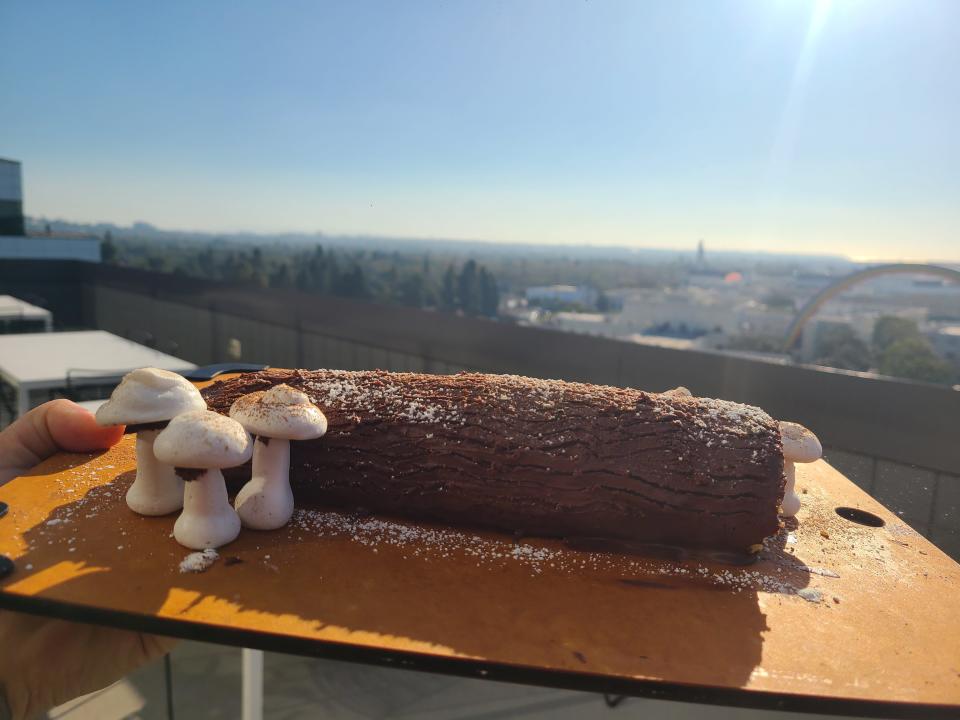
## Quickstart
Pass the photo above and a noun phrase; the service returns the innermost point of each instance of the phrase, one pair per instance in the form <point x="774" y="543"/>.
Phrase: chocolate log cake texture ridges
<point x="535" y="457"/>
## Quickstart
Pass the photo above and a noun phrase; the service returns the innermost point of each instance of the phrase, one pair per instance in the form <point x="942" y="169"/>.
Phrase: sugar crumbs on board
<point x="440" y="543"/>
<point x="419" y="541"/>
<point x="88" y="495"/>
<point x="199" y="561"/>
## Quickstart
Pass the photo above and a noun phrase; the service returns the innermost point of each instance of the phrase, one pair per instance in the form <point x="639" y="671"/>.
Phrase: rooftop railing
<point x="894" y="438"/>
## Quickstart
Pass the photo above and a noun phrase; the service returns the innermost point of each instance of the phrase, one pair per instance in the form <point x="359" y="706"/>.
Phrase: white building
<point x="946" y="343"/>
<point x="16" y="245"/>
<point x="757" y="320"/>
<point x="693" y="310"/>
<point x="571" y="294"/>
<point x="19" y="316"/>
<point x="585" y="323"/>
<point x="83" y="366"/>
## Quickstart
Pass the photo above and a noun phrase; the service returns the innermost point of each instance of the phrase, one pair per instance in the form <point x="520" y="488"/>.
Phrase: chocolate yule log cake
<point x="535" y="457"/>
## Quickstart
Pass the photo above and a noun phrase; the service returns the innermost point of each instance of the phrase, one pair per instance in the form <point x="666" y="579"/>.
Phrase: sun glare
<point x="790" y="117"/>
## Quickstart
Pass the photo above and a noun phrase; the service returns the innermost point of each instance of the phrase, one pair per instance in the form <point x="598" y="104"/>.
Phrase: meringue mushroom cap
<point x="203" y="439"/>
<point x="799" y="444"/>
<point x="282" y="412"/>
<point x="149" y="395"/>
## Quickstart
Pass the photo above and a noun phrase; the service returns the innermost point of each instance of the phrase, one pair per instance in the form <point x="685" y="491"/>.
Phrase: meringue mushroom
<point x="144" y="401"/>
<point x="799" y="445"/>
<point x="275" y="417"/>
<point x="198" y="444"/>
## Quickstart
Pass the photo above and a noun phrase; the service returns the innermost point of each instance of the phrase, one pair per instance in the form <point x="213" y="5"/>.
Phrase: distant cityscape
<point x="900" y="325"/>
<point x="903" y="325"/>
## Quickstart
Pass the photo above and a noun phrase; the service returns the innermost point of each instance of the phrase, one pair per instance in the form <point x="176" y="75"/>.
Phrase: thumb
<point x="45" y="430"/>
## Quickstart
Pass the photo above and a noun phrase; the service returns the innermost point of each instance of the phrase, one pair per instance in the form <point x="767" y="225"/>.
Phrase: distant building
<point x="586" y="323"/>
<point x="15" y="244"/>
<point x="946" y="343"/>
<point x="14" y="247"/>
<point x="569" y="294"/>
<point x="82" y="366"/>
<point x="755" y="319"/>
<point x="666" y="342"/>
<point x="729" y="282"/>
<point x="18" y="316"/>
<point x="11" y="198"/>
<point x="684" y="312"/>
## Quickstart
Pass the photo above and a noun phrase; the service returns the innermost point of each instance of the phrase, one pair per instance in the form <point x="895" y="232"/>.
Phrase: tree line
<point x="403" y="278"/>
<point x="896" y="348"/>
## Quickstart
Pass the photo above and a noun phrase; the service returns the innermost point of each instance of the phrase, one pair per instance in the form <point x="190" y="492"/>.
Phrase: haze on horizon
<point x="802" y="126"/>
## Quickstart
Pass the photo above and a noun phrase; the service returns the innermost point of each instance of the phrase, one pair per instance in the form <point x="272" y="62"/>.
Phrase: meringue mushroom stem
<point x="791" y="501"/>
<point x="266" y="501"/>
<point x="799" y="445"/>
<point x="207" y="520"/>
<point x="156" y="489"/>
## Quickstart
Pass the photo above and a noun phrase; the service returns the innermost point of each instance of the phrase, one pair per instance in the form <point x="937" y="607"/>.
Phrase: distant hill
<point x="474" y="248"/>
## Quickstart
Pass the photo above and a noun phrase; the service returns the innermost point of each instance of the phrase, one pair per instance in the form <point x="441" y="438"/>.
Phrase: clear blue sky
<point x="775" y="124"/>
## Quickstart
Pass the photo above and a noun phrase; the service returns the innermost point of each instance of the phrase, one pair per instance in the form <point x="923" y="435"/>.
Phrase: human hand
<point x="45" y="662"/>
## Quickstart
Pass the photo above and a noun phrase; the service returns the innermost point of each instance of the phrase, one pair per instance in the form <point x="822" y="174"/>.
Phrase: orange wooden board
<point x="834" y="611"/>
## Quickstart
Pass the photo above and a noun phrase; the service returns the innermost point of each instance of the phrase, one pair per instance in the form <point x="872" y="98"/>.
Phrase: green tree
<point x="330" y="275"/>
<point x="390" y="275"/>
<point x="777" y="299"/>
<point x="914" y="359"/>
<point x="412" y="290"/>
<point x="603" y="302"/>
<point x="448" y="294"/>
<point x="890" y="329"/>
<point x="431" y="298"/>
<point x="353" y="284"/>
<point x="311" y="273"/>
<point x="489" y="294"/>
<point x="206" y="264"/>
<point x="281" y="277"/>
<point x="755" y="343"/>
<point x="108" y="249"/>
<point x="468" y="288"/>
<point x="839" y="347"/>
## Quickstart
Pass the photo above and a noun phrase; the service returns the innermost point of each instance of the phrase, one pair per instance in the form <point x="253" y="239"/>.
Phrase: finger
<point x="155" y="646"/>
<point x="57" y="660"/>
<point x="75" y="429"/>
<point x="53" y="426"/>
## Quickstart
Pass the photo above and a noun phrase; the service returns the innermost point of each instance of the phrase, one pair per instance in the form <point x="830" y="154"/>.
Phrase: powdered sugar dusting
<point x="351" y="398"/>
<point x="350" y="392"/>
<point x="199" y="561"/>
<point x="439" y="544"/>
<point x="741" y="420"/>
<point x="420" y="541"/>
<point x="748" y="419"/>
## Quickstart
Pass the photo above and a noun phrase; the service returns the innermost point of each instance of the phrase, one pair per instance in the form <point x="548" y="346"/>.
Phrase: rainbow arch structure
<point x="844" y="283"/>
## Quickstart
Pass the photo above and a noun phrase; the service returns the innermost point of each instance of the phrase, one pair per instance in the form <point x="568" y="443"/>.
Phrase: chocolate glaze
<point x="145" y="426"/>
<point x="536" y="457"/>
<point x="188" y="474"/>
